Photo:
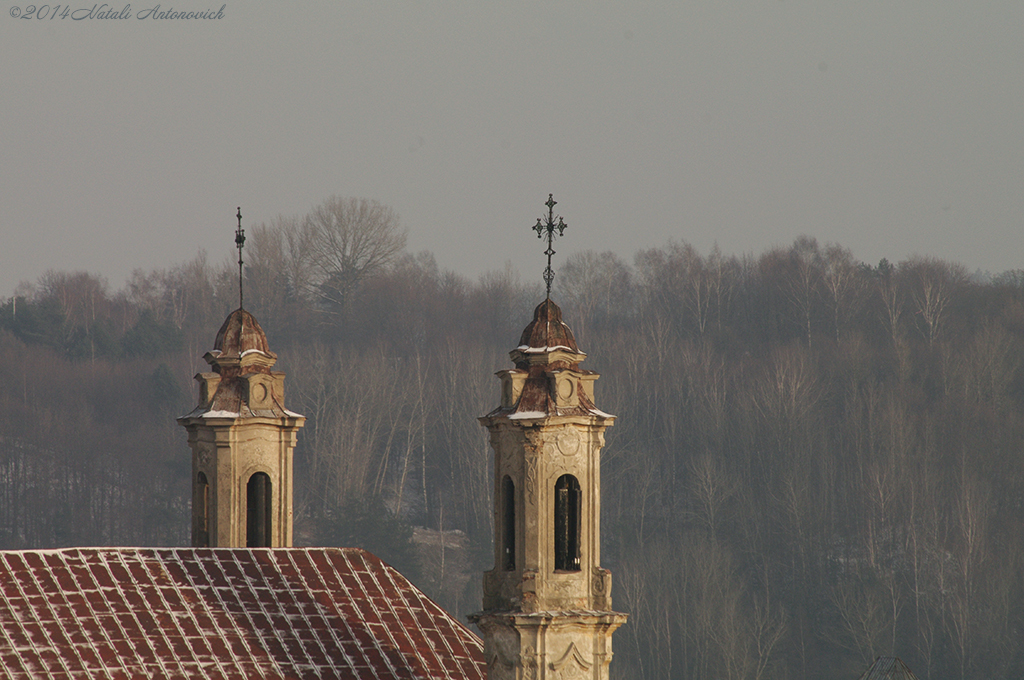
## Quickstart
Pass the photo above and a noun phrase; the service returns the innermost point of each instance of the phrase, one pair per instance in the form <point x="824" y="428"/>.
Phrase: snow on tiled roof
<point x="222" y="613"/>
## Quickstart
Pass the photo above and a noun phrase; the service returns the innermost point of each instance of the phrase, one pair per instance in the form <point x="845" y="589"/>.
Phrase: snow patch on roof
<point x="527" y="415"/>
<point x="540" y="350"/>
<point x="221" y="414"/>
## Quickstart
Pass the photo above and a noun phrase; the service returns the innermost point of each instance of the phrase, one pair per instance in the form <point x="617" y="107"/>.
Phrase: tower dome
<point x="241" y="333"/>
<point x="547" y="329"/>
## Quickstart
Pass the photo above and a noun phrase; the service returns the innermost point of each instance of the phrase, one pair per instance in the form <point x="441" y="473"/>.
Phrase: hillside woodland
<point x="816" y="461"/>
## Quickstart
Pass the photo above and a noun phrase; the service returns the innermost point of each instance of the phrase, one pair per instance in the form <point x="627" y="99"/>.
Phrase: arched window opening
<point x="568" y="505"/>
<point x="508" y="529"/>
<point x="202" y="501"/>
<point x="258" y="511"/>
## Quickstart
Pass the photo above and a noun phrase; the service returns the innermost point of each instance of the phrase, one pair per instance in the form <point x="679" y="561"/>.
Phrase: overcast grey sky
<point x="892" y="128"/>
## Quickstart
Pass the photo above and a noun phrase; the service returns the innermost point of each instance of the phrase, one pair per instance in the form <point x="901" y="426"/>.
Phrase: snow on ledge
<point x="221" y="414"/>
<point x="528" y="415"/>
<point x="538" y="350"/>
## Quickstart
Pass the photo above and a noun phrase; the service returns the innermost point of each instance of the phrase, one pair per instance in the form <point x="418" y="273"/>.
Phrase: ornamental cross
<point x="549" y="228"/>
<point x="239" y="241"/>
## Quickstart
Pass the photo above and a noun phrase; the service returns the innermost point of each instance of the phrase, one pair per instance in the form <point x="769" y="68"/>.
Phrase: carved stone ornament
<point x="572" y="665"/>
<point x="566" y="388"/>
<point x="568" y="441"/>
<point x="528" y="658"/>
<point x="564" y="587"/>
<point x="204" y="454"/>
<point x="531" y="480"/>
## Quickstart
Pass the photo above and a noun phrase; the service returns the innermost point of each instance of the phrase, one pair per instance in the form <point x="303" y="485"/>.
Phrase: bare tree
<point x="891" y="288"/>
<point x="767" y="624"/>
<point x="843" y="286"/>
<point x="346" y="240"/>
<point x="189" y="292"/>
<point x="266" y="281"/>
<point x="81" y="295"/>
<point x="712" y="489"/>
<point x="805" y="279"/>
<point x="973" y="507"/>
<point x="864" y="613"/>
<point x="594" y="285"/>
<point x="934" y="284"/>
<point x="722" y="277"/>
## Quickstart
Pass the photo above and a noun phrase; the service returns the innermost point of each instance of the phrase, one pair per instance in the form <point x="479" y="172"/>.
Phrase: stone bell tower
<point x="547" y="601"/>
<point x="242" y="438"/>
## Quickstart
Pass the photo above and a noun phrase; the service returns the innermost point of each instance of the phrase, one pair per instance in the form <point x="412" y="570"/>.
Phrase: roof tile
<point x="223" y="613"/>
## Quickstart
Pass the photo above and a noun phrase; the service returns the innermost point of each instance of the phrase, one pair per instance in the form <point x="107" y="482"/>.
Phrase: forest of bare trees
<point x="816" y="461"/>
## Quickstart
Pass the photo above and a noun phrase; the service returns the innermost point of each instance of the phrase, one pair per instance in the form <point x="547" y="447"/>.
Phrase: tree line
<point x="815" y="460"/>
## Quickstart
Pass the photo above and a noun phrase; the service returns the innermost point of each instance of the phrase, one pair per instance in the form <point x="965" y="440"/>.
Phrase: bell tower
<point x="242" y="438"/>
<point x="547" y="601"/>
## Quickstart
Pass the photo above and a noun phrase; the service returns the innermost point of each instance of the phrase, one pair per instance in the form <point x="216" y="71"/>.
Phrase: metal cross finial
<point x="239" y="241"/>
<point x="549" y="228"/>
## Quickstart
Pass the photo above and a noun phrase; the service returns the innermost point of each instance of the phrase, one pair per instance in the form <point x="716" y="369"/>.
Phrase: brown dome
<point x="240" y="333"/>
<point x="547" y="329"/>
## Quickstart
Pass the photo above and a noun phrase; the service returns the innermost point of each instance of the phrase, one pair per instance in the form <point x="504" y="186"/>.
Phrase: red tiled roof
<point x="222" y="613"/>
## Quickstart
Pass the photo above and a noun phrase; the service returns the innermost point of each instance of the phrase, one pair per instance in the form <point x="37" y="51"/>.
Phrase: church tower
<point x="242" y="438"/>
<point x="547" y="601"/>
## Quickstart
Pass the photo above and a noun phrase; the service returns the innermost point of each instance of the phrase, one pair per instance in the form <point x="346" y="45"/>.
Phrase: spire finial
<point x="240" y="242"/>
<point x="549" y="228"/>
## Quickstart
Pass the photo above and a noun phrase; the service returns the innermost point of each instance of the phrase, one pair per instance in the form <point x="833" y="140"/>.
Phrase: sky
<point x="891" y="128"/>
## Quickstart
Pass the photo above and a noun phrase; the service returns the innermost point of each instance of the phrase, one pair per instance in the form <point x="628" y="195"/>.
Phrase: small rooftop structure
<point x="888" y="668"/>
<point x="222" y="613"/>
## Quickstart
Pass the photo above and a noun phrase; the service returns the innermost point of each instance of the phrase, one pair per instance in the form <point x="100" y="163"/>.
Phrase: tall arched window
<point x="568" y="505"/>
<point x="258" y="511"/>
<point x="508" y="527"/>
<point x="202" y="501"/>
